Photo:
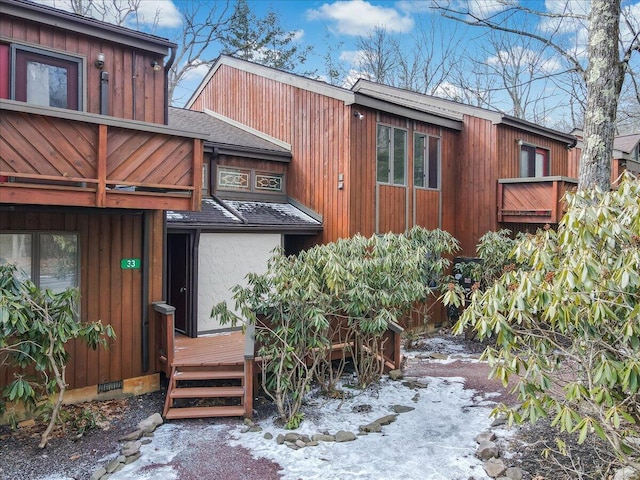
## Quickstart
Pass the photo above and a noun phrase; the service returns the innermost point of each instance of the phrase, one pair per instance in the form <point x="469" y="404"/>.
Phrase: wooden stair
<point x="199" y="391"/>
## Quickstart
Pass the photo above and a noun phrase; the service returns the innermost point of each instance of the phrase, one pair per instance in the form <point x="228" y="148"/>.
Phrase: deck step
<point x="207" y="392"/>
<point x="208" y="374"/>
<point x="204" y="412"/>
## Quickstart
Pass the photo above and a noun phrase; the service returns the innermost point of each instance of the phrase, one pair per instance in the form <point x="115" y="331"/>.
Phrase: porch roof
<point x="241" y="215"/>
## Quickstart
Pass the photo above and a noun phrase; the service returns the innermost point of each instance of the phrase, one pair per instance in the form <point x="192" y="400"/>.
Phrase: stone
<point x="255" y="428"/>
<point x="248" y="422"/>
<point x="131" y="437"/>
<point x="514" y="473"/>
<point x="280" y="439"/>
<point x="323" y="437"/>
<point x="131" y="448"/>
<point x="396" y="375"/>
<point x="106" y="477"/>
<point x="402" y="409"/>
<point x="151" y="423"/>
<point x="132" y="458"/>
<point x="487" y="450"/>
<point x="386" y="420"/>
<point x="498" y="422"/>
<point x="146" y="441"/>
<point x="98" y="474"/>
<point x="300" y="444"/>
<point x="268" y="436"/>
<point x="415" y="398"/>
<point x="292" y="446"/>
<point x="373" y="427"/>
<point x="494" y="467"/>
<point x="313" y="443"/>
<point x="438" y="356"/>
<point x="415" y="384"/>
<point x="343" y="436"/>
<point x="291" y="437"/>
<point x="113" y="464"/>
<point x="120" y="467"/>
<point x="362" y="409"/>
<point x="485" y="437"/>
<point x="626" y="473"/>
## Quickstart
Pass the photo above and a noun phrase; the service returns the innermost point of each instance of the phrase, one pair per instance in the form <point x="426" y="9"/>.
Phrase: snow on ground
<point x="433" y="442"/>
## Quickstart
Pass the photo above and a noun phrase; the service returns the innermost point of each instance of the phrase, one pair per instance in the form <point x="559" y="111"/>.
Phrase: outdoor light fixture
<point x="156" y="66"/>
<point x="358" y="115"/>
<point x="520" y="142"/>
<point x="100" y="60"/>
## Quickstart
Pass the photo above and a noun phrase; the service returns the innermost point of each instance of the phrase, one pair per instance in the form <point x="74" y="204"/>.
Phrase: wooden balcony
<point x="532" y="200"/>
<point x="52" y="156"/>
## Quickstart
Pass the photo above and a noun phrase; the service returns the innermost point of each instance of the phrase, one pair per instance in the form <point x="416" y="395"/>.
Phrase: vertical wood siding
<point x="135" y="90"/>
<point x="108" y="293"/>
<point x="315" y="125"/>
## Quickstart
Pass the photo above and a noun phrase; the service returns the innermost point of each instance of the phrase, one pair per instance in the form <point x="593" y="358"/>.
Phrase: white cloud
<point x="164" y="11"/>
<point x="199" y="70"/>
<point x="415" y="6"/>
<point x="449" y="91"/>
<point x="565" y="24"/>
<point x="359" y="17"/>
<point x="354" y="57"/>
<point x="486" y="8"/>
<point x="297" y="35"/>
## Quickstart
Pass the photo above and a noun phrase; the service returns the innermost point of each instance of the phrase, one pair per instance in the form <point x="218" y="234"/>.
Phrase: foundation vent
<point x="107" y="387"/>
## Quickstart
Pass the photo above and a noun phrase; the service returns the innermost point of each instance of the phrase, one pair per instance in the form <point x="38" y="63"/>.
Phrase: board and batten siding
<point x="136" y="91"/>
<point x="107" y="293"/>
<point x="315" y="125"/>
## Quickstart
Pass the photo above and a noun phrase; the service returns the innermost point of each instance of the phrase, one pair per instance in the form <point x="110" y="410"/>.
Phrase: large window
<point x="426" y="161"/>
<point x="50" y="260"/>
<point x="534" y="162"/>
<point x="391" y="155"/>
<point x="46" y="78"/>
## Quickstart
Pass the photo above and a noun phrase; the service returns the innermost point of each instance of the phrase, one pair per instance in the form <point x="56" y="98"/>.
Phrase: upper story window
<point x="391" y="155"/>
<point x="250" y="181"/>
<point x="46" y="78"/>
<point x="534" y="161"/>
<point x="426" y="161"/>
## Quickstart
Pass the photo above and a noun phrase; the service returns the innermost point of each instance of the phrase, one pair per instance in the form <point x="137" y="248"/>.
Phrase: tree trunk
<point x="605" y="75"/>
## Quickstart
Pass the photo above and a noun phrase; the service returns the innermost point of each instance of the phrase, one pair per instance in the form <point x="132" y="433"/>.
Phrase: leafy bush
<point x="348" y="293"/>
<point x="567" y="325"/>
<point x="35" y="326"/>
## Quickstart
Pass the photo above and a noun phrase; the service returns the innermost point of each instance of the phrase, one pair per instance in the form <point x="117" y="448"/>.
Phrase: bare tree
<point x="378" y="55"/>
<point x="607" y="61"/>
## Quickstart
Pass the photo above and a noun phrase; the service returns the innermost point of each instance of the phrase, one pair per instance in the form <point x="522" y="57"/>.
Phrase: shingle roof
<point x="220" y="132"/>
<point x="626" y="143"/>
<point x="238" y="214"/>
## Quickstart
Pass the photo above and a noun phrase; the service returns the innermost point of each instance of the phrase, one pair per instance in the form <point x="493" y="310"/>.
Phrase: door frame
<point x="191" y="281"/>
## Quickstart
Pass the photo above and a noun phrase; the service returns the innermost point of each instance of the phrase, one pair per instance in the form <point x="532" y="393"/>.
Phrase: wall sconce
<point x="520" y="142"/>
<point x="100" y="60"/>
<point x="156" y="66"/>
<point x="340" y="181"/>
<point x="358" y="115"/>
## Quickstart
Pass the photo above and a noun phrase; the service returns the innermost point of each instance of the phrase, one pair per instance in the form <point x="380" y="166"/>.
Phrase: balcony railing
<point x="51" y="156"/>
<point x="532" y="200"/>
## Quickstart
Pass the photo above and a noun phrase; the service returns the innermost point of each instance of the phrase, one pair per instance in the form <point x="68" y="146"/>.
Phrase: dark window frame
<point x="21" y="54"/>
<point x="527" y="167"/>
<point x="391" y="149"/>
<point x="430" y="167"/>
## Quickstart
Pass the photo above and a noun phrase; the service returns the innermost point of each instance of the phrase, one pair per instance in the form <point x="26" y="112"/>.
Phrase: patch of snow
<point x="282" y="208"/>
<point x="171" y="215"/>
<point x="211" y="202"/>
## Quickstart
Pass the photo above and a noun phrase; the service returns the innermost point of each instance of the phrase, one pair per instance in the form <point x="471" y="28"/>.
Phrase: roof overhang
<point x="247" y="152"/>
<point x="395" y="109"/>
<point x="85" y="25"/>
<point x="569" y="140"/>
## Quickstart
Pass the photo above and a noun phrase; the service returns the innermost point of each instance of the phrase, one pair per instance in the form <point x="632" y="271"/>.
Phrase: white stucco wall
<point x="224" y="260"/>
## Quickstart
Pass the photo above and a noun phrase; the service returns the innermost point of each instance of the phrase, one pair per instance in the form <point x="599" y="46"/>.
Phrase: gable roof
<point x="626" y="143"/>
<point x="228" y="137"/>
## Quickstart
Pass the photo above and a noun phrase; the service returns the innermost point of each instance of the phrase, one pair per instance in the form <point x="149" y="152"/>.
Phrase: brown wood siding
<point x="135" y="90"/>
<point x="392" y="210"/>
<point x="249" y="163"/>
<point x="475" y="211"/>
<point x="361" y="178"/>
<point x="427" y="213"/>
<point x="108" y="293"/>
<point x="508" y="152"/>
<point x="316" y="126"/>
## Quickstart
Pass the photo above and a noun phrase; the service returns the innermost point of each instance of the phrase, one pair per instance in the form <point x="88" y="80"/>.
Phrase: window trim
<point x="251" y="188"/>
<point x="392" y="157"/>
<point x="425" y="161"/>
<point x="55" y="58"/>
<point x="35" y="254"/>
<point x="531" y="161"/>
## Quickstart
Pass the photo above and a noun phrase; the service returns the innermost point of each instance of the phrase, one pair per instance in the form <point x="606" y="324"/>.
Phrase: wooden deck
<point x="211" y="350"/>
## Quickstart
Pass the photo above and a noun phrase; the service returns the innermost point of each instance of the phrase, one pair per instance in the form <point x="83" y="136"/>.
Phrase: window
<point x="426" y="161"/>
<point x="534" y="162"/>
<point x="46" y="78"/>
<point x="239" y="179"/>
<point x="50" y="260"/>
<point x="391" y="155"/>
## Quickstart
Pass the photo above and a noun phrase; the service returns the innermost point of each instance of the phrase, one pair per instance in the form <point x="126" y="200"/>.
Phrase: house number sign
<point x="130" y="263"/>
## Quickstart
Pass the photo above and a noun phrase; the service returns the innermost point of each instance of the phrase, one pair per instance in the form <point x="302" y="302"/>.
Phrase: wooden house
<point x="626" y="155"/>
<point x="375" y="158"/>
<point x="88" y="166"/>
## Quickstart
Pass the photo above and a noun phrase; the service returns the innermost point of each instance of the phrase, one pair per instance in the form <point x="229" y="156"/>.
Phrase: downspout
<point x="146" y="229"/>
<point x="167" y="68"/>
